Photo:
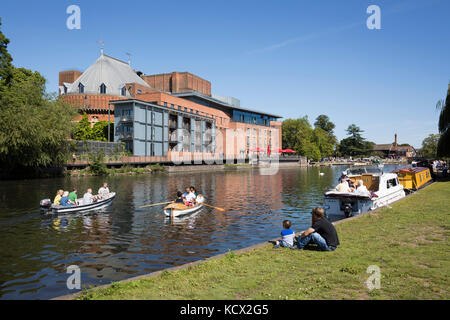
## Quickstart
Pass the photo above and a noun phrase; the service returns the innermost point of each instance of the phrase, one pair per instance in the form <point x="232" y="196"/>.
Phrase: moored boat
<point x="383" y="189"/>
<point x="99" y="204"/>
<point x="413" y="178"/>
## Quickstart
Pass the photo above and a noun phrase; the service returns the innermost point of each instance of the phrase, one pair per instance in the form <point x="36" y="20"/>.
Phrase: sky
<point x="290" y="58"/>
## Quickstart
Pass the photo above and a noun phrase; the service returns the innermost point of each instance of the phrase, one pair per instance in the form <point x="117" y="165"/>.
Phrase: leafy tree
<point x="355" y="144"/>
<point x="430" y="146"/>
<point x="298" y="135"/>
<point x="34" y="126"/>
<point x="323" y="122"/>
<point x="443" y="147"/>
<point x="83" y="130"/>
<point x="327" y="147"/>
<point x="6" y="67"/>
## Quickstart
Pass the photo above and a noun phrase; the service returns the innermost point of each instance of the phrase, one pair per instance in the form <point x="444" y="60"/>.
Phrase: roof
<point x="110" y="71"/>
<point x="221" y="103"/>
<point x="381" y="147"/>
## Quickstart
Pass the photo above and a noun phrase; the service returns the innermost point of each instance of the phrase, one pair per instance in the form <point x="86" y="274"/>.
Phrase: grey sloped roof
<point x="112" y="72"/>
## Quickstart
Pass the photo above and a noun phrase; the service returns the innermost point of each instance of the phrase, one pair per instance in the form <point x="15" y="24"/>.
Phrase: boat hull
<point x="84" y="208"/>
<point x="177" y="212"/>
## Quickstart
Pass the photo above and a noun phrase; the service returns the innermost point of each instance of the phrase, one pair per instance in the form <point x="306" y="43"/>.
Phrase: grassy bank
<point x="409" y="242"/>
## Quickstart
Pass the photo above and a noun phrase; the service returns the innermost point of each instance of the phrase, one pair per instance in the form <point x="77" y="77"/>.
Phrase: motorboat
<point x="382" y="189"/>
<point x="46" y="205"/>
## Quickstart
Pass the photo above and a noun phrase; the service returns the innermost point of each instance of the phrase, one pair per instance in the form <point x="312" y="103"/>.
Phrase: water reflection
<point x="123" y="240"/>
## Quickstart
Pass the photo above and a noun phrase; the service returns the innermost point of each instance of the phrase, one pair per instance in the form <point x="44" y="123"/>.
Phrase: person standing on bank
<point x="322" y="232"/>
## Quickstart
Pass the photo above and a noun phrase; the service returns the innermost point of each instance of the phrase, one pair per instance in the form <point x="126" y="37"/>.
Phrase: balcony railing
<point x="126" y="135"/>
<point x="127" y="119"/>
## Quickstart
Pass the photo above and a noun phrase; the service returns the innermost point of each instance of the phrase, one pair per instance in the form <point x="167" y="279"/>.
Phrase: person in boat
<point x="361" y="189"/>
<point x="65" y="201"/>
<point x="73" y="195"/>
<point x="103" y="192"/>
<point x="186" y="192"/>
<point x="287" y="236"/>
<point x="58" y="197"/>
<point x="88" y="198"/>
<point x="344" y="177"/>
<point x="192" y="189"/>
<point x="343" y="187"/>
<point x="179" y="198"/>
<point x="321" y="232"/>
<point x="190" y="198"/>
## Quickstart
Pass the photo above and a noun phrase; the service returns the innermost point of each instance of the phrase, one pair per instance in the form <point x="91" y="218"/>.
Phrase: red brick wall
<point x="177" y="82"/>
<point x="69" y="76"/>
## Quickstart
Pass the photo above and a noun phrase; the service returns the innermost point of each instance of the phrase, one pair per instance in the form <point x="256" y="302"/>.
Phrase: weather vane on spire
<point x="101" y="43"/>
<point x="129" y="57"/>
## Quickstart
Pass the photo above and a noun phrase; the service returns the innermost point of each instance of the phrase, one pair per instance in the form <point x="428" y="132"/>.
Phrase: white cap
<point x="344" y="173"/>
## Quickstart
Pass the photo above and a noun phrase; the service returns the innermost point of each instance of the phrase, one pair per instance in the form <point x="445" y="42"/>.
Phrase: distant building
<point x="152" y="113"/>
<point x="393" y="150"/>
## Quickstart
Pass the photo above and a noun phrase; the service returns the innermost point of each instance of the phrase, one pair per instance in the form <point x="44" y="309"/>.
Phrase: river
<point x="123" y="241"/>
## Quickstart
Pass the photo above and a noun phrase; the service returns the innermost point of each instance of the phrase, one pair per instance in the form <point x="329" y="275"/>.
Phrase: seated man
<point x="361" y="189"/>
<point x="343" y="187"/>
<point x="103" y="192"/>
<point x="65" y="201"/>
<point x="88" y="198"/>
<point x="73" y="196"/>
<point x="322" y="232"/>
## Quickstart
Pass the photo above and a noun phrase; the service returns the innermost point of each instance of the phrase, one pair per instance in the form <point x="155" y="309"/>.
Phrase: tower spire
<point x="101" y="43"/>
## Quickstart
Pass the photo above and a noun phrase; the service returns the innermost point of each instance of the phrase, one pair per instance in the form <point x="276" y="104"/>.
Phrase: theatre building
<point x="155" y="115"/>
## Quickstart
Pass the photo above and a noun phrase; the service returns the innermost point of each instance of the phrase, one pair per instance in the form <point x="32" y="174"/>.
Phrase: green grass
<point x="409" y="242"/>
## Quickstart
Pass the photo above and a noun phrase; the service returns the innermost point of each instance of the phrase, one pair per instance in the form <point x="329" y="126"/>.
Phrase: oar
<point x="208" y="205"/>
<point x="155" y="204"/>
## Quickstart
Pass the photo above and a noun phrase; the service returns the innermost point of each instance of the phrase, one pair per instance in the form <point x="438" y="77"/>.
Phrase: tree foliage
<point x="430" y="146"/>
<point x="314" y="143"/>
<point x="355" y="145"/>
<point x="84" y="131"/>
<point x="34" y="126"/>
<point x="443" y="147"/>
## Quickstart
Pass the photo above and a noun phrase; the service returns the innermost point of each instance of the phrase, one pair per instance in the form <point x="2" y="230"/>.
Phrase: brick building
<point x="153" y="108"/>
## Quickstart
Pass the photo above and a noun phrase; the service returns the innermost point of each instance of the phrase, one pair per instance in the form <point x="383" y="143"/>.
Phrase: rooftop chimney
<point x="395" y="143"/>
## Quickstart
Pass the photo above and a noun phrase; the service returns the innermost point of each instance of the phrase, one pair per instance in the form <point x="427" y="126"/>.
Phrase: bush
<point x="96" y="164"/>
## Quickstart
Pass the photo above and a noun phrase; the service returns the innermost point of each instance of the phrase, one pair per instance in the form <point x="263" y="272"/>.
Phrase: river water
<point x="123" y="241"/>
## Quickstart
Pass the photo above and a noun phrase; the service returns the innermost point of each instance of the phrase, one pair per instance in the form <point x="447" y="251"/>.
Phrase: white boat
<point x="179" y="209"/>
<point x="383" y="189"/>
<point x="99" y="204"/>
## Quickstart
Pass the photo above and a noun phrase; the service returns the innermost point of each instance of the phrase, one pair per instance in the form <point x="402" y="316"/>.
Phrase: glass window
<point x="123" y="91"/>
<point x="80" y="88"/>
<point x="102" y="88"/>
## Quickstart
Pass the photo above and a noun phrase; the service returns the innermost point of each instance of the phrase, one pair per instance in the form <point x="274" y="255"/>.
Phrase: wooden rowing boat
<point x="179" y="209"/>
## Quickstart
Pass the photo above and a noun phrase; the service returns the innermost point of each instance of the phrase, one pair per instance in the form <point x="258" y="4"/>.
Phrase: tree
<point x="430" y="146"/>
<point x="298" y="135"/>
<point x="443" y="147"/>
<point x="34" y="126"/>
<point x="355" y="144"/>
<point x="323" y="122"/>
<point x="327" y="147"/>
<point x="6" y="67"/>
<point x="83" y="130"/>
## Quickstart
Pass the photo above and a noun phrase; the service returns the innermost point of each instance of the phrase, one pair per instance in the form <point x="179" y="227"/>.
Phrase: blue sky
<point x="291" y="58"/>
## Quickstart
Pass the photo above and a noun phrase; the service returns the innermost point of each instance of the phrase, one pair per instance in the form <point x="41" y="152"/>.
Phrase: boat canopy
<point x="357" y="171"/>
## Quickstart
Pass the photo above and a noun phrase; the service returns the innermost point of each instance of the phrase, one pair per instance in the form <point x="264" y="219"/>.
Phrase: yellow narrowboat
<point x="413" y="178"/>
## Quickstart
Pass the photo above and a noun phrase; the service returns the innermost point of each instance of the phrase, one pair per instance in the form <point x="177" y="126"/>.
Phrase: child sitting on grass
<point x="287" y="236"/>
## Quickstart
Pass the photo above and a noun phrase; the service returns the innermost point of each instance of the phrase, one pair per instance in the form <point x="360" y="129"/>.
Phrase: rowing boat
<point x="99" y="204"/>
<point x="179" y="209"/>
